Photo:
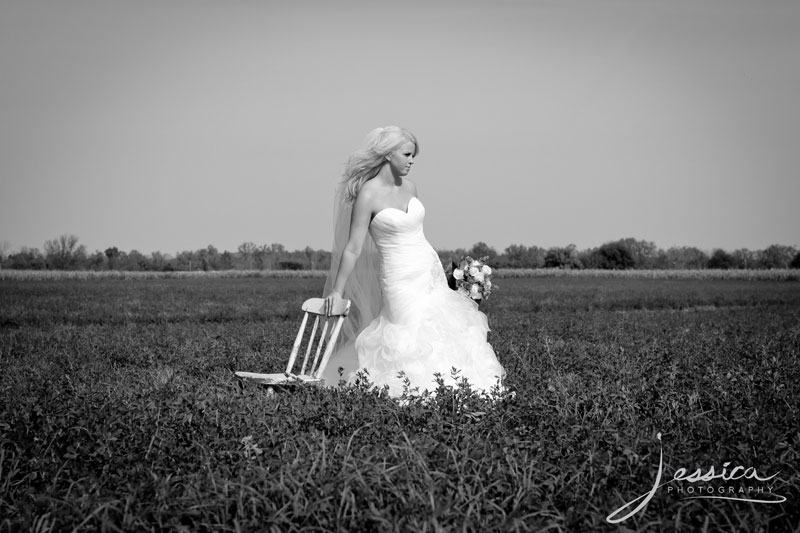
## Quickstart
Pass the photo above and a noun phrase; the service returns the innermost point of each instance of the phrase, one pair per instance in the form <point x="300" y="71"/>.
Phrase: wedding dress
<point x="423" y="327"/>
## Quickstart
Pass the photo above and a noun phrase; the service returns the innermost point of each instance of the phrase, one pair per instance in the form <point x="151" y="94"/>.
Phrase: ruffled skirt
<point x="439" y="331"/>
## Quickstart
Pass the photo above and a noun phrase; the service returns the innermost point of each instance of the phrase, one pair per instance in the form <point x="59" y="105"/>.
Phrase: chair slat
<point x="310" y="344"/>
<point x="319" y="346"/>
<point x="296" y="345"/>
<point x="329" y="348"/>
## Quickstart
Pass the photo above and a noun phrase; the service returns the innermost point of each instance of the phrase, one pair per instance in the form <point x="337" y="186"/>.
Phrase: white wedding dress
<point x="423" y="326"/>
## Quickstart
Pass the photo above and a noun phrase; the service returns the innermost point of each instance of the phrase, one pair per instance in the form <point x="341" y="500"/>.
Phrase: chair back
<point x="324" y="338"/>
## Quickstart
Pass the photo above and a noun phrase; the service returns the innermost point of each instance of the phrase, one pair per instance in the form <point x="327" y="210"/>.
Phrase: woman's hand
<point x="331" y="301"/>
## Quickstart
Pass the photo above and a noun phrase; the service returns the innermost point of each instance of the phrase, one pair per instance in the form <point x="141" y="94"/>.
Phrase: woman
<point x="404" y="317"/>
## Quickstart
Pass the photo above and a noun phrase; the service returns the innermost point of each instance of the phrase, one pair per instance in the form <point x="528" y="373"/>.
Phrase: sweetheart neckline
<point x="408" y="207"/>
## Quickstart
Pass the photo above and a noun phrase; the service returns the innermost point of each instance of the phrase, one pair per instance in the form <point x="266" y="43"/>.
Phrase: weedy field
<point x="119" y="411"/>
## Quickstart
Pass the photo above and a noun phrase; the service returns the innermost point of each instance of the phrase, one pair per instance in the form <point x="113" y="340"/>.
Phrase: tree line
<point x="66" y="253"/>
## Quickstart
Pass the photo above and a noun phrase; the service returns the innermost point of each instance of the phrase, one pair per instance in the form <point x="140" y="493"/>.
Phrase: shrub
<point x="614" y="256"/>
<point x="722" y="260"/>
<point x="795" y="262"/>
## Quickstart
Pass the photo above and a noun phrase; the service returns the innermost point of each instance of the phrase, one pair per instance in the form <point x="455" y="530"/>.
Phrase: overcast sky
<point x="174" y="124"/>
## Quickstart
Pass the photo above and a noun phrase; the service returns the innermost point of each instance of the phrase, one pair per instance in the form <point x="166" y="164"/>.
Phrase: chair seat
<point x="279" y="379"/>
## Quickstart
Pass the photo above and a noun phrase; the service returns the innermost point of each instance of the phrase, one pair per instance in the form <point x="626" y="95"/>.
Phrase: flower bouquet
<point x="472" y="278"/>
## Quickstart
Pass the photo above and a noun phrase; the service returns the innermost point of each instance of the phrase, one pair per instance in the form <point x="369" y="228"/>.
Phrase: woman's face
<point x="401" y="159"/>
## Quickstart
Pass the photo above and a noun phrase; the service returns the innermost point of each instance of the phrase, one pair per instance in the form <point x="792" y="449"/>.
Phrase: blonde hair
<point x="365" y="163"/>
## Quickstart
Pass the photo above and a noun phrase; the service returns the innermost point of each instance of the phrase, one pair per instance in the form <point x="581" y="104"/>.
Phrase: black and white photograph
<point x="413" y="266"/>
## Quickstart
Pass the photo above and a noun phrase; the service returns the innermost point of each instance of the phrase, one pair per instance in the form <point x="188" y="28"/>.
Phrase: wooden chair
<point x="309" y="374"/>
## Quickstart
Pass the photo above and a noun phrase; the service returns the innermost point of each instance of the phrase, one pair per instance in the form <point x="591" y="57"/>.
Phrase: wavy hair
<point x="365" y="163"/>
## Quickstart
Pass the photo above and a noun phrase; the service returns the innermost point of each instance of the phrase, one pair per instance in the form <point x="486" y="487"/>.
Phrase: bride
<point x="404" y="317"/>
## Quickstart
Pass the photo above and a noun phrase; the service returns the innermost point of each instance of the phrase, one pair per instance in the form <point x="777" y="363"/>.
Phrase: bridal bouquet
<point x="472" y="278"/>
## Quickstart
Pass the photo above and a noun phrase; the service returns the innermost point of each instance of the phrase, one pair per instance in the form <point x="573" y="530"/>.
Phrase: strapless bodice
<point x="392" y="227"/>
<point x="409" y="266"/>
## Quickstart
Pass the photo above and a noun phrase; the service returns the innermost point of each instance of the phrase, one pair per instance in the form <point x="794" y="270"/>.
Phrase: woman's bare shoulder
<point x="369" y="188"/>
<point x="368" y="192"/>
<point x="366" y="196"/>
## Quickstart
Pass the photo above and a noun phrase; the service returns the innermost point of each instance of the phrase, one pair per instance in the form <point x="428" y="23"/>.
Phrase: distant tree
<point x="589" y="258"/>
<point x="521" y="256"/>
<point x="323" y="260"/>
<point x="481" y="249"/>
<point x="447" y="257"/>
<point x="310" y="256"/>
<point x="5" y="247"/>
<point x="275" y="254"/>
<point x="777" y="256"/>
<point x="317" y="259"/>
<point x="133" y="261"/>
<point x="247" y="251"/>
<point x="186" y="261"/>
<point x="557" y="257"/>
<point x="686" y="257"/>
<point x="96" y="261"/>
<point x="744" y="258"/>
<point x="159" y="262"/>
<point x="225" y="261"/>
<point x="660" y="261"/>
<point x="796" y="261"/>
<point x="721" y="259"/>
<point x="614" y="256"/>
<point x="290" y="265"/>
<point x="27" y="259"/>
<point x="261" y="258"/>
<point x="209" y="258"/>
<point x="513" y="256"/>
<point x="64" y="253"/>
<point x="112" y="254"/>
<point x="643" y="253"/>
<point x="535" y="257"/>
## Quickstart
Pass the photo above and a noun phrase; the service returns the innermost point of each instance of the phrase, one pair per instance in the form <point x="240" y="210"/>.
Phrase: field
<point x="119" y="412"/>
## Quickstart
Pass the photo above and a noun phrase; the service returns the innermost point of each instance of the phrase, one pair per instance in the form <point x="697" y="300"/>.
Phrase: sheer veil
<point x="362" y="289"/>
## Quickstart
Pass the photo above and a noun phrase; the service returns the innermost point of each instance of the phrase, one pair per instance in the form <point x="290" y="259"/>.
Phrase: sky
<point x="173" y="125"/>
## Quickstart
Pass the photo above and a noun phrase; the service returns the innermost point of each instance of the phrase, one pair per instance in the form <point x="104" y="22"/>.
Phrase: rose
<point x="486" y="270"/>
<point x="458" y="273"/>
<point x="475" y="291"/>
<point x="478" y="277"/>
<point x="473" y="271"/>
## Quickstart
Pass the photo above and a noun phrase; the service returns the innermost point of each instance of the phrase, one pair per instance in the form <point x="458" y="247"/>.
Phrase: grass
<point x="59" y="275"/>
<point x="785" y="274"/>
<point x="119" y="411"/>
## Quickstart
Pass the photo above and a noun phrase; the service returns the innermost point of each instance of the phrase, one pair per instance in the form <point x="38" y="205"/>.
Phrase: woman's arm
<point x="359" y="224"/>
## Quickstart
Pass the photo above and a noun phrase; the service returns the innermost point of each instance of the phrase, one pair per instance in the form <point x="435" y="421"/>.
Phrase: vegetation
<point x="64" y="253"/>
<point x="119" y="411"/>
<point x="784" y="274"/>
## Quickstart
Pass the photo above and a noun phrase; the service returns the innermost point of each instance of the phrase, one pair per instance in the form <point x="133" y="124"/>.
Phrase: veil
<point x="362" y="289"/>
